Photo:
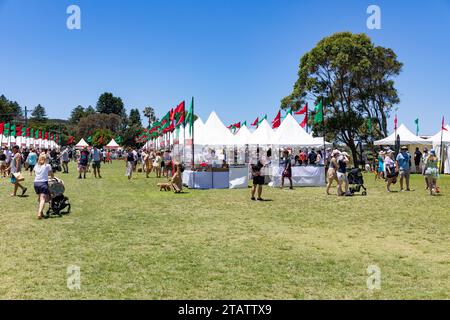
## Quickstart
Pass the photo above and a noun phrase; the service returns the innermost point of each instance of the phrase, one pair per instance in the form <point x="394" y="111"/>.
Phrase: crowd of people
<point x="44" y="163"/>
<point x="392" y="168"/>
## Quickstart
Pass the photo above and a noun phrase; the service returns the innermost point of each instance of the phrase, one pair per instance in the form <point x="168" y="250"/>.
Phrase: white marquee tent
<point x="242" y="137"/>
<point x="436" y="141"/>
<point x="290" y="133"/>
<point x="406" y="138"/>
<point x="263" y="135"/>
<point x="215" y="133"/>
<point x="81" y="144"/>
<point x="112" y="145"/>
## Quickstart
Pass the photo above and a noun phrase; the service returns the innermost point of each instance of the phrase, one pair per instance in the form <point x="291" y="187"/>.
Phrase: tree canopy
<point x="107" y="103"/>
<point x="39" y="113"/>
<point x="355" y="79"/>
<point x="9" y="109"/>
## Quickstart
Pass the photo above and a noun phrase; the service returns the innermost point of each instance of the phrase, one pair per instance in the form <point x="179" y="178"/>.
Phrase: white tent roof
<point x="291" y="133"/>
<point x="243" y="136"/>
<point x="199" y="127"/>
<point x="436" y="139"/>
<point x="215" y="132"/>
<point x="82" y="143"/>
<point x="406" y="137"/>
<point x="263" y="135"/>
<point x="112" y="144"/>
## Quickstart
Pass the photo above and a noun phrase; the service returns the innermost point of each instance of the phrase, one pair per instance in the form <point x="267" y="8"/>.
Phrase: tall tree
<point x="135" y="118"/>
<point x="9" y="109"/>
<point x="76" y="114"/>
<point x="90" y="110"/>
<point x="149" y="113"/>
<point x="39" y="113"/>
<point x="107" y="103"/>
<point x="355" y="79"/>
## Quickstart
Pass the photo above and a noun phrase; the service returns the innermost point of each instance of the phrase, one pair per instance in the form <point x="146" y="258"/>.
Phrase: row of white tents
<point x="27" y="142"/>
<point x="409" y="138"/>
<point x="214" y="133"/>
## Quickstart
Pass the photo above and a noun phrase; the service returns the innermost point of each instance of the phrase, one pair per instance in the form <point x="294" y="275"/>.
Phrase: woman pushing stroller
<point x="42" y="171"/>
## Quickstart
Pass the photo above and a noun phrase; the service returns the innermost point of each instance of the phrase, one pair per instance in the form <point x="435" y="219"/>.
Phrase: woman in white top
<point x="391" y="170"/>
<point x="42" y="171"/>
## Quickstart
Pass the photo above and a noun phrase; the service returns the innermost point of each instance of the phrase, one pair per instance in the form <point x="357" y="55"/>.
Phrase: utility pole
<point x="26" y="116"/>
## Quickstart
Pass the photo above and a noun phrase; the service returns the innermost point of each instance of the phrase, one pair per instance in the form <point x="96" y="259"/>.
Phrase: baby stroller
<point x="58" y="201"/>
<point x="356" y="181"/>
<point x="56" y="165"/>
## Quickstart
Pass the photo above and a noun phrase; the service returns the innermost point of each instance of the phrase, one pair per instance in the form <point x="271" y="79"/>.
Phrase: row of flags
<point x="417" y="121"/>
<point x="276" y="122"/>
<point x="12" y="130"/>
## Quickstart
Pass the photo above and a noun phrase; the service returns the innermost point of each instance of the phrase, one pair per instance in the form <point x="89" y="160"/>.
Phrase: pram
<point x="58" y="201"/>
<point x="56" y="165"/>
<point x="356" y="181"/>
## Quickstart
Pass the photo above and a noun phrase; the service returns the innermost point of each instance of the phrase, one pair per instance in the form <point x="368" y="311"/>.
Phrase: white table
<point x="301" y="176"/>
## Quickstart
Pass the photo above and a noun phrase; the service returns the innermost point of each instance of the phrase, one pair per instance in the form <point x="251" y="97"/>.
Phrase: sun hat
<point x="335" y="152"/>
<point x="404" y="148"/>
<point x="433" y="152"/>
<point x="345" y="154"/>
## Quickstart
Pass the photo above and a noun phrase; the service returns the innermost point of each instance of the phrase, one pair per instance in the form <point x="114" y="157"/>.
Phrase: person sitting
<point x="177" y="180"/>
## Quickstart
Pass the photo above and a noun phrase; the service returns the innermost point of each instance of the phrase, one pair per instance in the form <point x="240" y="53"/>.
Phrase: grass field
<point x="132" y="241"/>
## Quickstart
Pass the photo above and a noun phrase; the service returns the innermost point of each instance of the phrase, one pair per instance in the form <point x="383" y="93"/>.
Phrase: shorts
<point x="96" y="164"/>
<point x="41" y="188"/>
<point x="287" y="174"/>
<point x="258" y="180"/>
<point x="404" y="174"/>
<point x="331" y="174"/>
<point x="12" y="179"/>
<point x="342" y="177"/>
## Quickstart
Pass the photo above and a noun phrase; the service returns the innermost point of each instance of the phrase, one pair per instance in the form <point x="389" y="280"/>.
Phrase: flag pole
<point x="324" y="135"/>
<point x="192" y="160"/>
<point x="441" y="166"/>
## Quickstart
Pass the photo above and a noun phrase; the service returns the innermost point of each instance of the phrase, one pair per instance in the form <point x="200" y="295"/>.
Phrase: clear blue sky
<point x="238" y="57"/>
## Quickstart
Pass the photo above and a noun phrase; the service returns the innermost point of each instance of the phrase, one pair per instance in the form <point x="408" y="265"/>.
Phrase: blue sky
<point x="238" y="57"/>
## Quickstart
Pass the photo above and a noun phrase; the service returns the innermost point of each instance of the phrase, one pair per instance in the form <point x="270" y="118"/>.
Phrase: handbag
<point x="18" y="176"/>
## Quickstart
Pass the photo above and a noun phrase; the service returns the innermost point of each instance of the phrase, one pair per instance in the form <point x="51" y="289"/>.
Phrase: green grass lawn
<point x="132" y="241"/>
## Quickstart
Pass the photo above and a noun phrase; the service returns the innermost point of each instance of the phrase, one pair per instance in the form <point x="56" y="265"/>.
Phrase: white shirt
<point x="42" y="172"/>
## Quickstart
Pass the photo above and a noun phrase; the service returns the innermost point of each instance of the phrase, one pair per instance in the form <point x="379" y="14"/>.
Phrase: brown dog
<point x="165" y="186"/>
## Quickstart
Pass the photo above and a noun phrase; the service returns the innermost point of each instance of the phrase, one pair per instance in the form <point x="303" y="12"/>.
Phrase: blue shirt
<point x="403" y="161"/>
<point x="32" y="159"/>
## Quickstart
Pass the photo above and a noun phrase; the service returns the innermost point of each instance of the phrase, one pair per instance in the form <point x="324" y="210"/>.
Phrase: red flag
<point x="46" y="136"/>
<point x="172" y="115"/>
<point x="255" y="123"/>
<point x="277" y="121"/>
<point x="302" y="110"/>
<point x="443" y="124"/>
<point x="304" y="122"/>
<point x="2" y="127"/>
<point x="395" y="122"/>
<point x="237" y="125"/>
<point x="18" y="131"/>
<point x="27" y="132"/>
<point x="230" y="126"/>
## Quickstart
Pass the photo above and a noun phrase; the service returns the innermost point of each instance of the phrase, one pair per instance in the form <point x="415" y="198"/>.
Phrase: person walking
<point x="258" y="180"/>
<point x="129" y="163"/>
<point x="96" y="157"/>
<point x="381" y="170"/>
<point x="403" y="165"/>
<point x="342" y="163"/>
<point x="83" y="162"/>
<point x="287" y="171"/>
<point x="32" y="160"/>
<point x="42" y="171"/>
<point x="333" y="170"/>
<point x="157" y="164"/>
<point x="391" y="168"/>
<point x="418" y="160"/>
<point x="431" y="171"/>
<point x="65" y="160"/>
<point x="425" y="156"/>
<point x="14" y="169"/>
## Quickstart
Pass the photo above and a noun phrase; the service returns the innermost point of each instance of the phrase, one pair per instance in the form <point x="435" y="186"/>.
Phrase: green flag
<point x="7" y="129"/>
<point x="165" y="121"/>
<point x="318" y="117"/>
<point x="31" y="133"/>
<point x="36" y="134"/>
<point x="89" y="139"/>
<point x="24" y="132"/>
<point x="13" y="130"/>
<point x="244" y="124"/>
<point x="264" y="118"/>
<point x="190" y="117"/>
<point x="417" y="126"/>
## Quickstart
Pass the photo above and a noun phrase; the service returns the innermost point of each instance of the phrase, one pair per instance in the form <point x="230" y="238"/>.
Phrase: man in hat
<point x="404" y="167"/>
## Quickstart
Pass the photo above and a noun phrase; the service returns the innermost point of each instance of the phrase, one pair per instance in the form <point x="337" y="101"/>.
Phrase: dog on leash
<point x="165" y="186"/>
